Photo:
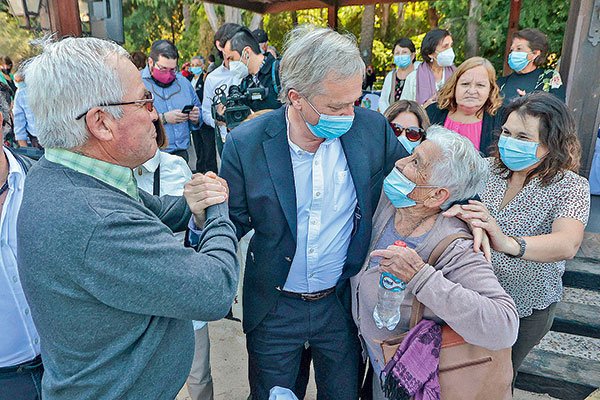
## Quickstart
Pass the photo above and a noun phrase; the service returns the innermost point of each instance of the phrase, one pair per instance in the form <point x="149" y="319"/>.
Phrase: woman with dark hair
<point x="6" y="75"/>
<point x="534" y="210"/>
<point x="468" y="103"/>
<point x="404" y="62"/>
<point x="409" y="122"/>
<point x="528" y="53"/>
<point x="423" y="84"/>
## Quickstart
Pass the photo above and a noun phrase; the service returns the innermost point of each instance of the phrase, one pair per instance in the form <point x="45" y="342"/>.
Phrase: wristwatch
<point x="522" y="246"/>
<point x="163" y="119"/>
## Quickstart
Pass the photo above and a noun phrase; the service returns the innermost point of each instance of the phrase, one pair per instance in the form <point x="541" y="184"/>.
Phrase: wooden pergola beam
<point x="513" y="26"/>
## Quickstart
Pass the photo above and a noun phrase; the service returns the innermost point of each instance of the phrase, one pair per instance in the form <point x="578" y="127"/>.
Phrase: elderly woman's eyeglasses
<point x="147" y="101"/>
<point x="412" y="133"/>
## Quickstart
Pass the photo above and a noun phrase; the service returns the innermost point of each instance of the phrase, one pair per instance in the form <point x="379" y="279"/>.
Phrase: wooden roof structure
<point x="275" y="6"/>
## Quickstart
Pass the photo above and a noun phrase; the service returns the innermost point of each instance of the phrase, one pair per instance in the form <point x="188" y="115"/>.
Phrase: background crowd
<point x="319" y="190"/>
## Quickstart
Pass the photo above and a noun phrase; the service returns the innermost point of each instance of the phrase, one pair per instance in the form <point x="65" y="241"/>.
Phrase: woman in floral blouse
<point x="528" y="53"/>
<point x="534" y="210"/>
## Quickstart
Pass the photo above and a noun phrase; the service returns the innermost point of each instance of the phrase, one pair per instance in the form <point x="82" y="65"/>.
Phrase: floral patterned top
<point x="534" y="285"/>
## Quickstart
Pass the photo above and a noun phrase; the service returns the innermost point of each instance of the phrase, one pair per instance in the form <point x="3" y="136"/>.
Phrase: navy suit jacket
<point x="258" y="168"/>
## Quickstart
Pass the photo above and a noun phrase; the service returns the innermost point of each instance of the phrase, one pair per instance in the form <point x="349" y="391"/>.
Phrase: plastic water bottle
<point x="390" y="294"/>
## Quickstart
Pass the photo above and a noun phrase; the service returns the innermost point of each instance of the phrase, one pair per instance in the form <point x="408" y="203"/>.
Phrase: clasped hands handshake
<point x="203" y="191"/>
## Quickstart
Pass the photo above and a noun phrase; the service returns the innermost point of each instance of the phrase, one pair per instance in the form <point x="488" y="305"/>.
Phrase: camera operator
<point x="214" y="80"/>
<point x="256" y="70"/>
<point x="172" y="93"/>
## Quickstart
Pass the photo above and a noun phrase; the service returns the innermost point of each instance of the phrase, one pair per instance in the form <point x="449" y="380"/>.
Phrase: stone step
<point x="560" y="375"/>
<point x="577" y="319"/>
<point x="583" y="273"/>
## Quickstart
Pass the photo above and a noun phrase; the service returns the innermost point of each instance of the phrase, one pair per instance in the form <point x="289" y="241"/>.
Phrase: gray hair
<point x="460" y="169"/>
<point x="311" y="54"/>
<point x="199" y="58"/>
<point x="68" y="78"/>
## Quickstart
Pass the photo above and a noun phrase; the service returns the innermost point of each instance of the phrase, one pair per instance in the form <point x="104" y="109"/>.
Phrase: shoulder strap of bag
<point x="275" y="75"/>
<point x="416" y="314"/>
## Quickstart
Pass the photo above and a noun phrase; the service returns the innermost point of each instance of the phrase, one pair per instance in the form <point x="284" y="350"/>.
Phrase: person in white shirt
<point x="404" y="64"/>
<point x="219" y="77"/>
<point x="172" y="173"/>
<point x="21" y="366"/>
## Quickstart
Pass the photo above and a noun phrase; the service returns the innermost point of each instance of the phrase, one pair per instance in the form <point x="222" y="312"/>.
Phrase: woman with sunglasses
<point x="409" y="122"/>
<point x="534" y="210"/>
<point x="469" y="103"/>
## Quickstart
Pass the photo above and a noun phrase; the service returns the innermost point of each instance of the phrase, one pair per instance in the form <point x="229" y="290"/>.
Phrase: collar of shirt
<point x="152" y="163"/>
<point x="114" y="175"/>
<point x="16" y="175"/>
<point x="294" y="147"/>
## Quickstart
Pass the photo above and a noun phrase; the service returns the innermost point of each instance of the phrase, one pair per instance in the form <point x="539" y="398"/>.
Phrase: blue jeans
<point x="23" y="382"/>
<point x="275" y="348"/>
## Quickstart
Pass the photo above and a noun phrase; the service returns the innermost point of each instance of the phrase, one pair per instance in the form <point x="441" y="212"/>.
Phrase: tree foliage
<point x="14" y="41"/>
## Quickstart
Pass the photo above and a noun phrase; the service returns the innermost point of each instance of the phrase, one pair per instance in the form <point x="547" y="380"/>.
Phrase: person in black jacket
<point x="469" y="103"/>
<point x="256" y="70"/>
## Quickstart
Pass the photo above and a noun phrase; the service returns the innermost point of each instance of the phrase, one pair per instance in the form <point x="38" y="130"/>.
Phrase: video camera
<point x="235" y="103"/>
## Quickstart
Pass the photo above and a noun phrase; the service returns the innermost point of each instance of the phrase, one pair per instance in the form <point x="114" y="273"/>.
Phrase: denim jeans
<point x="24" y="383"/>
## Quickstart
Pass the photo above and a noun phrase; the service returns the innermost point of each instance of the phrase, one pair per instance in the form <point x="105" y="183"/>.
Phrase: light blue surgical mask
<point x="196" y="70"/>
<point x="517" y="60"/>
<point x="402" y="60"/>
<point x="446" y="58"/>
<point x="408" y="145"/>
<point x="330" y="126"/>
<point x="517" y="154"/>
<point x="397" y="187"/>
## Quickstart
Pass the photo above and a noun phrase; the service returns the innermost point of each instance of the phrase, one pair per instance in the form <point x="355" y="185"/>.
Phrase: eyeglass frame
<point x="143" y="101"/>
<point x="417" y="129"/>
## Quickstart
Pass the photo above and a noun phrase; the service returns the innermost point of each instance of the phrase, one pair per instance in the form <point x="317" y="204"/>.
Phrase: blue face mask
<point x="517" y="60"/>
<point x="408" y="145"/>
<point x="517" y="154"/>
<point x="402" y="61"/>
<point x="397" y="187"/>
<point x="196" y="70"/>
<point x="330" y="126"/>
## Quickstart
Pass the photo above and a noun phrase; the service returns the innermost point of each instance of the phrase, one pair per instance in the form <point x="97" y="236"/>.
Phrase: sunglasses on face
<point x="147" y="101"/>
<point x="412" y="133"/>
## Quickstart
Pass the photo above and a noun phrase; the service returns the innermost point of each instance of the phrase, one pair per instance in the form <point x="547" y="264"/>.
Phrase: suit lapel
<point x="358" y="164"/>
<point x="279" y="163"/>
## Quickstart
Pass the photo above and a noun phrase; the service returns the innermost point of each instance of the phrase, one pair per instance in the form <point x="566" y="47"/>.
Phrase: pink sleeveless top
<point x="471" y="131"/>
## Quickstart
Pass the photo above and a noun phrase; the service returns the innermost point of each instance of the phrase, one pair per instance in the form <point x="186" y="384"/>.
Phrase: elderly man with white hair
<point x="460" y="289"/>
<point x="307" y="178"/>
<point x="111" y="290"/>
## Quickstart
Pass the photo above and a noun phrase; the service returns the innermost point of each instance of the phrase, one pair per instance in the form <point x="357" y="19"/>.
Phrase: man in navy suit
<point x="307" y="178"/>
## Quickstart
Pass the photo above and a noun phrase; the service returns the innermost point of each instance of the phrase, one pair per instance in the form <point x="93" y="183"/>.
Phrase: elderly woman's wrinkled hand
<point x="402" y="262"/>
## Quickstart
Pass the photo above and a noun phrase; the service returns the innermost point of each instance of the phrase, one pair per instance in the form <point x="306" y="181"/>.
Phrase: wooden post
<point x="332" y="19"/>
<point x="578" y="68"/>
<point x="513" y="26"/>
<point x="64" y="17"/>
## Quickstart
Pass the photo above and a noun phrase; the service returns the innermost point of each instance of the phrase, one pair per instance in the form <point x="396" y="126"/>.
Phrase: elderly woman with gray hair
<point x="460" y="290"/>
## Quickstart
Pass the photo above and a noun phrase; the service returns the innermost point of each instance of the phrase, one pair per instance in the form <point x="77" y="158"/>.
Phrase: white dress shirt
<point x="325" y="202"/>
<point x="19" y="340"/>
<point x="174" y="173"/>
<point x="220" y="76"/>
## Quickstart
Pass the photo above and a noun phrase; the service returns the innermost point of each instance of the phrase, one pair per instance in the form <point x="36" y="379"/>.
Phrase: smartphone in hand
<point x="187" y="109"/>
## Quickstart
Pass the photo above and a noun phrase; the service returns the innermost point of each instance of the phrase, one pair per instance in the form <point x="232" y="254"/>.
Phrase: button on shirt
<point x="19" y="340"/>
<point x="325" y="202"/>
<point x="174" y="97"/>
